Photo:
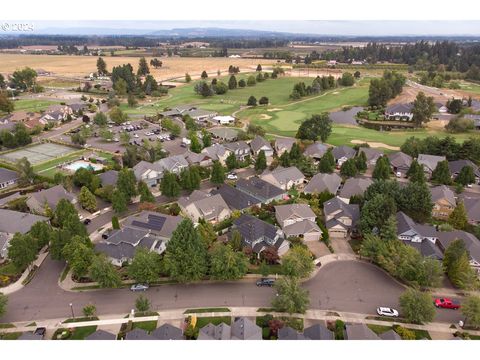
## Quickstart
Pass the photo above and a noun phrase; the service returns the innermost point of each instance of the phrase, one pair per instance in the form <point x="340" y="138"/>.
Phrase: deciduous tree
<point x="298" y="262"/>
<point x="103" y="272"/>
<point x="226" y="264"/>
<point x="290" y="297"/>
<point x="145" y="266"/>
<point x="417" y="306"/>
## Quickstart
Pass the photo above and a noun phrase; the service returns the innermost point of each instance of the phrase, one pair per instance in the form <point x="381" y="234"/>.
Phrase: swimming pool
<point x="74" y="166"/>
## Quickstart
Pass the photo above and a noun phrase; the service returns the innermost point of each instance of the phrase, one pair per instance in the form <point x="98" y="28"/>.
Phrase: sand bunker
<point x="265" y="117"/>
<point x="275" y="109"/>
<point x="376" y="144"/>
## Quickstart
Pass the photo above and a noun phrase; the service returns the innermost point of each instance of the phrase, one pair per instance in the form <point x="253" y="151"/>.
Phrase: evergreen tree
<point x="423" y="109"/>
<point x="415" y="172"/>
<point x="101" y="67"/>
<point x="259" y="67"/>
<point x="441" y="174"/>
<point x="119" y="201"/>
<point x="349" y="168"/>
<point x="252" y="101"/>
<point x="87" y="200"/>
<point x="195" y="145"/>
<point x="226" y="264"/>
<point x="261" y="162"/>
<point x="232" y="82"/>
<point x="361" y="161"/>
<point x="284" y="159"/>
<point x="204" y="75"/>
<point x="466" y="176"/>
<point x="382" y="169"/>
<point x="145" y="266"/>
<point x="186" y="255"/>
<point x="115" y="223"/>
<point x="327" y="163"/>
<point x="143" y="68"/>
<point x="416" y="201"/>
<point x="459" y="218"/>
<point x="388" y="231"/>
<point x="145" y="193"/>
<point x="231" y="161"/>
<point x="218" y="173"/>
<point x="127" y="183"/>
<point x="169" y="185"/>
<point x="470" y="309"/>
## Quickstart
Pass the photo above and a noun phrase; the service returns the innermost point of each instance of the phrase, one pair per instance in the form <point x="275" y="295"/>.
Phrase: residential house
<point x="223" y="120"/>
<point x="316" y="150"/>
<point x="283" y="144"/>
<point x="443" y="200"/>
<point x="456" y="166"/>
<point x="36" y="202"/>
<point x="167" y="332"/>
<point x="201" y="205"/>
<point x="401" y="112"/>
<point x="242" y="329"/>
<point x="225" y="133"/>
<point x="150" y="173"/>
<point x="354" y="187"/>
<point x="77" y="107"/>
<point x="109" y="177"/>
<point x="138" y="334"/>
<point x="422" y="237"/>
<point x="239" y="148"/>
<point x="260" y="144"/>
<point x="429" y="162"/>
<point x="216" y="152"/>
<point x="195" y="113"/>
<point x="441" y="108"/>
<point x="340" y="218"/>
<point x="342" y="154"/>
<point x="323" y="182"/>
<point x="258" y="235"/>
<point x="7" y="178"/>
<point x="235" y="199"/>
<point x="371" y="154"/>
<point x="288" y="333"/>
<point x="160" y="225"/>
<point x="260" y="189"/>
<point x="19" y="117"/>
<point x="472" y="244"/>
<point x="472" y="206"/>
<point x="359" y="332"/>
<point x="284" y="178"/>
<point x="318" y="332"/>
<point x="101" y="335"/>
<point x="174" y="164"/>
<point x="390" y="335"/>
<point x="298" y="220"/>
<point x="400" y="163"/>
<point x="202" y="159"/>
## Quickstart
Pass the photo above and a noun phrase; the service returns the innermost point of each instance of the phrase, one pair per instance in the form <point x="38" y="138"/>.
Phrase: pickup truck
<point x="446" y="303"/>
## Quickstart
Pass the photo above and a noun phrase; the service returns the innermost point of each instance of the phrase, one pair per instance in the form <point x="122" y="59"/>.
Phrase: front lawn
<point x="206" y="310"/>
<point x="379" y="329"/>
<point x="148" y="326"/>
<point x="216" y="320"/>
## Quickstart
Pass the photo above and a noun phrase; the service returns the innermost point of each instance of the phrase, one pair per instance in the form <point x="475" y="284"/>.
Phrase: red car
<point x="446" y="303"/>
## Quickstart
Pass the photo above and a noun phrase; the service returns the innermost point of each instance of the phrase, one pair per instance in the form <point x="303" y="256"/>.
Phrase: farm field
<point x="79" y="66"/>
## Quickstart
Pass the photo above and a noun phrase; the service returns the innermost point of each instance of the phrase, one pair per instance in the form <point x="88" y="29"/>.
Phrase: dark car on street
<point x="265" y="282"/>
<point x="40" y="331"/>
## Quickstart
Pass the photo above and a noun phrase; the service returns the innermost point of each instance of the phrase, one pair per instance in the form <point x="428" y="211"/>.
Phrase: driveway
<point x="341" y="245"/>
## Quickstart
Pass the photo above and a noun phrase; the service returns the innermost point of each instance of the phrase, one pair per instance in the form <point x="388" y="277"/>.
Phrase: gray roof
<point x="238" y="145"/>
<point x="426" y="248"/>
<point x="443" y="192"/>
<point x="7" y="175"/>
<point x="284" y="175"/>
<point x="316" y="150"/>
<point x="399" y="108"/>
<point x="208" y="205"/>
<point x="196" y="113"/>
<point x="406" y="224"/>
<point x="109" y="177"/>
<point x="225" y="133"/>
<point x="284" y="143"/>
<point x="472" y="244"/>
<point x="288" y="333"/>
<point x="456" y="166"/>
<point x="127" y="235"/>
<point x="52" y="196"/>
<point x="123" y="250"/>
<point x="235" y="199"/>
<point x="343" y="151"/>
<point x="245" y="329"/>
<point x="472" y="206"/>
<point x="252" y="228"/>
<point x="430" y="162"/>
<point x="138" y="334"/>
<point x="331" y="206"/>
<point x="101" y="335"/>
<point x="360" y="332"/>
<point x="172" y="162"/>
<point x="215" y="152"/>
<point x="298" y="210"/>
<point x="318" y="332"/>
<point x="194" y="158"/>
<point x="77" y="106"/>
<point x="390" y="335"/>
<point x="323" y="182"/>
<point x="259" y="188"/>
<point x="158" y="224"/>
<point x="215" y="332"/>
<point x="143" y="166"/>
<point x="400" y="160"/>
<point x="355" y="186"/>
<point x="258" y="142"/>
<point x="167" y="332"/>
<point x="371" y="154"/>
<point x="16" y="221"/>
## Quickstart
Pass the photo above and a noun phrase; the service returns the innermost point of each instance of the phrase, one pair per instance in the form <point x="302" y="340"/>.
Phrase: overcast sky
<point x="328" y="27"/>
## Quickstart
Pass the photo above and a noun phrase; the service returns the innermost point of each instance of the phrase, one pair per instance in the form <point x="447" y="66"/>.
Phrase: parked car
<point x="398" y="174"/>
<point x="232" y="176"/>
<point x="265" y="282"/>
<point x="446" y="303"/>
<point x="40" y="331"/>
<point x="105" y="235"/>
<point x="139" y="287"/>
<point x="87" y="221"/>
<point x="386" y="311"/>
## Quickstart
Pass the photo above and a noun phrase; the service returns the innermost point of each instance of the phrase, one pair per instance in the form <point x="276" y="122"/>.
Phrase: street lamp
<point x="71" y="308"/>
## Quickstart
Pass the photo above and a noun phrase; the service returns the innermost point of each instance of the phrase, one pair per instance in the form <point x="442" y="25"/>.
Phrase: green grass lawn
<point x="217" y="320"/>
<point x="205" y="310"/>
<point x="80" y="333"/>
<point x="379" y="329"/>
<point x="470" y="87"/>
<point x="48" y="168"/>
<point x="33" y="104"/>
<point x="10" y="336"/>
<point x="8" y="269"/>
<point x="148" y="326"/>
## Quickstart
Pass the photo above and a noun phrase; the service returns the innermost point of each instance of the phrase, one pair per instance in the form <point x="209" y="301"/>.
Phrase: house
<point x="472" y="244"/>
<point x="150" y="173"/>
<point x="201" y="205"/>
<point x="284" y="178"/>
<point x="241" y="329"/>
<point x="19" y="117"/>
<point x="109" y="178"/>
<point x="257" y="235"/>
<point x="195" y="113"/>
<point x="77" y="107"/>
<point x="260" y="144"/>
<point x="340" y="218"/>
<point x="239" y="148"/>
<point x="443" y="200"/>
<point x="260" y="189"/>
<point x="216" y="152"/>
<point x="342" y="154"/>
<point x="158" y="224"/>
<point x="101" y="335"/>
<point x="202" y="159"/>
<point x="223" y="120"/>
<point x="60" y="111"/>
<point x="235" y="199"/>
<point x="400" y="163"/>
<point x="421" y="237"/>
<point x="167" y="332"/>
<point x="354" y="187"/>
<point x="441" y="108"/>
<point x="401" y="112"/>
<point x="456" y="166"/>
<point x="475" y="119"/>
<point x="225" y="133"/>
<point x="372" y="155"/>
<point x="390" y="335"/>
<point x="318" y="332"/>
<point x="316" y="150"/>
<point x="36" y="202"/>
<point x="429" y="162"/>
<point x="472" y="206"/>
<point x="298" y="220"/>
<point x="7" y="178"/>
<point x="323" y="182"/>
<point x="283" y="144"/>
<point x="138" y="334"/>
<point x="288" y="333"/>
<point x="174" y="164"/>
<point x="121" y="245"/>
<point x="359" y="332"/>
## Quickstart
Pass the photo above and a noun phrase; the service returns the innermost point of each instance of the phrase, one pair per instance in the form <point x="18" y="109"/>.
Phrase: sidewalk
<point x="178" y="314"/>
<point x="17" y="285"/>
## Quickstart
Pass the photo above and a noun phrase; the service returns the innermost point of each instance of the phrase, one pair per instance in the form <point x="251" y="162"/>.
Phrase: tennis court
<point x="40" y="153"/>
